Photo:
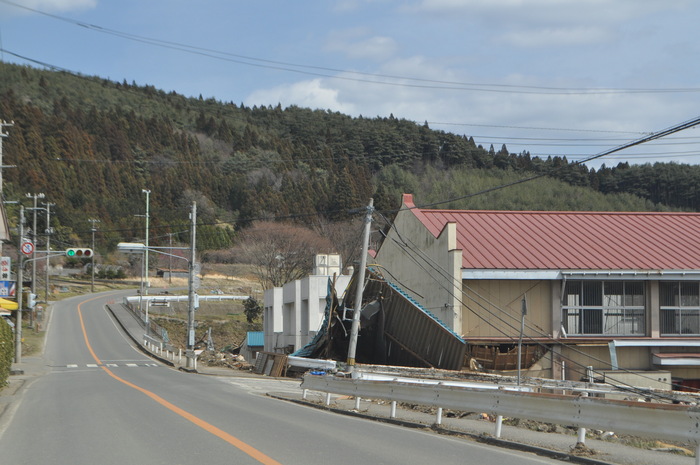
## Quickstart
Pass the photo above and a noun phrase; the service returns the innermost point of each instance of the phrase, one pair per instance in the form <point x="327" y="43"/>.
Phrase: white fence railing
<point x="664" y="421"/>
<point x="158" y="298"/>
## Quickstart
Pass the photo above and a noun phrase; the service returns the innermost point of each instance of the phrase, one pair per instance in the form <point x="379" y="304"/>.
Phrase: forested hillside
<point x="92" y="145"/>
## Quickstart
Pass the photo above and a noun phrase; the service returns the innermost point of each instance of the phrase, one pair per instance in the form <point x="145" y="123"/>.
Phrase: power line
<point x="344" y="74"/>
<point x="410" y="250"/>
<point x="546" y="141"/>
<point x="658" y="135"/>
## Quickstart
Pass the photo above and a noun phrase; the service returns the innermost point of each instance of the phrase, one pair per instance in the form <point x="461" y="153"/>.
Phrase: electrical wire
<point x="654" y="136"/>
<point x="444" y="274"/>
<point x="373" y="78"/>
<point x="463" y="86"/>
<point x="538" y="154"/>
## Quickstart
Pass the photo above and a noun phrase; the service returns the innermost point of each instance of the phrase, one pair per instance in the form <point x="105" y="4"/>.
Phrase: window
<point x="680" y="307"/>
<point x="604" y="308"/>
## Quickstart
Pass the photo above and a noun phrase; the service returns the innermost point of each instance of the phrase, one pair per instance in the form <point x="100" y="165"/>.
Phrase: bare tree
<point x="346" y="236"/>
<point x="281" y="252"/>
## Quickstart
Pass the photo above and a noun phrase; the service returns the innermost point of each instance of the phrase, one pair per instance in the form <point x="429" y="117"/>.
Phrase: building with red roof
<point x="607" y="290"/>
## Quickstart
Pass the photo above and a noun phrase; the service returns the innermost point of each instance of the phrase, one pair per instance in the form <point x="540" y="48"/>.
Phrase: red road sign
<point x="27" y="248"/>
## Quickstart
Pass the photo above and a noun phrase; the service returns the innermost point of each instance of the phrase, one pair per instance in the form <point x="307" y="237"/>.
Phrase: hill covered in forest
<point x="91" y="145"/>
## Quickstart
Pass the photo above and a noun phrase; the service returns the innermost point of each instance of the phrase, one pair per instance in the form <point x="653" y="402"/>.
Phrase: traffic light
<point x="79" y="253"/>
<point x="31" y="301"/>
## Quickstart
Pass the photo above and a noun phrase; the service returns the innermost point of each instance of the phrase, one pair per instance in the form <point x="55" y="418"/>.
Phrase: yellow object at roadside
<point x="8" y="304"/>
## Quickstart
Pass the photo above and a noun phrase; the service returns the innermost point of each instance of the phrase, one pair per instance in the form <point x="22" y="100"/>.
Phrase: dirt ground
<point x="225" y="318"/>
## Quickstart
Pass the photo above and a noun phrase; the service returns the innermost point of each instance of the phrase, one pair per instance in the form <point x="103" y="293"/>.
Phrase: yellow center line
<point x="234" y="441"/>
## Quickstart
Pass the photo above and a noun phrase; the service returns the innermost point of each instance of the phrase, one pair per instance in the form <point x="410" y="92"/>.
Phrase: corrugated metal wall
<point x="414" y="336"/>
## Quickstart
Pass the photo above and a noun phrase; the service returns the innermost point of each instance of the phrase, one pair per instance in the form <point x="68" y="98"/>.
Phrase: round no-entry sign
<point x="27" y="248"/>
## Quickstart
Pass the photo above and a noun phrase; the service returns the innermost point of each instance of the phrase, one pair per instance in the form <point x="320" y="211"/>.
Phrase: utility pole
<point x="49" y="231"/>
<point x="93" y="229"/>
<point x="523" y="312"/>
<point x="34" y="242"/>
<point x="190" y="289"/>
<point x="170" y="259"/>
<point x="19" y="290"/>
<point x="360" y="288"/>
<point x="148" y="193"/>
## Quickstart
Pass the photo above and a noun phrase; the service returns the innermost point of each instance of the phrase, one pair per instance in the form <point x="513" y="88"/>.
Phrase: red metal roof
<point x="541" y="240"/>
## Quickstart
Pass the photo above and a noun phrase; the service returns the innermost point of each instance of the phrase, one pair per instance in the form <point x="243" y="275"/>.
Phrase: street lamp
<point x="137" y="247"/>
<point x="148" y="201"/>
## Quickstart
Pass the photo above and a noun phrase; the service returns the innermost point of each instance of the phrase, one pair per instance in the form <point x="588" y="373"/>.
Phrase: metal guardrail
<point x="148" y="340"/>
<point x="146" y="299"/>
<point x="667" y="421"/>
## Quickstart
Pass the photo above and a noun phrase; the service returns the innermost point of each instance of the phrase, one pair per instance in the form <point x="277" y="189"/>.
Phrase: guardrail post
<point x="393" y="409"/>
<point x="304" y="392"/>
<point x="499" y="426"/>
<point x="582" y="431"/>
<point x="438" y="419"/>
<point x="328" y="398"/>
<point x="357" y="403"/>
<point x="581" y="435"/>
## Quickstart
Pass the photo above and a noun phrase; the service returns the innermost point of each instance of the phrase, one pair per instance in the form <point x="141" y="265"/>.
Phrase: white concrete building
<point x="294" y="312"/>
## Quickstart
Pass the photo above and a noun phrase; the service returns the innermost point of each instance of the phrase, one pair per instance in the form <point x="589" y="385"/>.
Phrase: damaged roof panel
<point x="394" y="329"/>
<point x="412" y="335"/>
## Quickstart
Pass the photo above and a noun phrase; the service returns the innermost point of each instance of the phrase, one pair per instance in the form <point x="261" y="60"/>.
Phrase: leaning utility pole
<point x="360" y="288"/>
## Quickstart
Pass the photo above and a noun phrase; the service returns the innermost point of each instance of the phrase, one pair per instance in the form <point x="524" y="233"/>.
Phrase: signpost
<point x="5" y="266"/>
<point x="7" y="289"/>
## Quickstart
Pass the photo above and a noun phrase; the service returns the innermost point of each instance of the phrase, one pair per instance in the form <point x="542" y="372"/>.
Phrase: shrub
<point x="7" y="351"/>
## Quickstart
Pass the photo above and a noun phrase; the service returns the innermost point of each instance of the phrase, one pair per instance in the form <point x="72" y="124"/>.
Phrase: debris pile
<point x="224" y="359"/>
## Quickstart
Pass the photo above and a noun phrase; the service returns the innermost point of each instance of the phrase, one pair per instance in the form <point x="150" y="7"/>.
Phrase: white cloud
<point x="560" y="36"/>
<point x="357" y="44"/>
<point x="598" y="121"/>
<point x="546" y="22"/>
<point x="345" y="6"/>
<point x="60" y="5"/>
<point x="311" y="94"/>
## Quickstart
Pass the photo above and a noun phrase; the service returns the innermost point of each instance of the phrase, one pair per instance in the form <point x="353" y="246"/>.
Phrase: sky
<point x="550" y="77"/>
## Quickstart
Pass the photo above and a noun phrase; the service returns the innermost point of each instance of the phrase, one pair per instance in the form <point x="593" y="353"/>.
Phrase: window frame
<point x="685" y="319"/>
<point x="592" y="312"/>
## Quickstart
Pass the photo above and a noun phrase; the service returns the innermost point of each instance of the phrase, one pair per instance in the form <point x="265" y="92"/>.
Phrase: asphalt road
<point x="103" y="402"/>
